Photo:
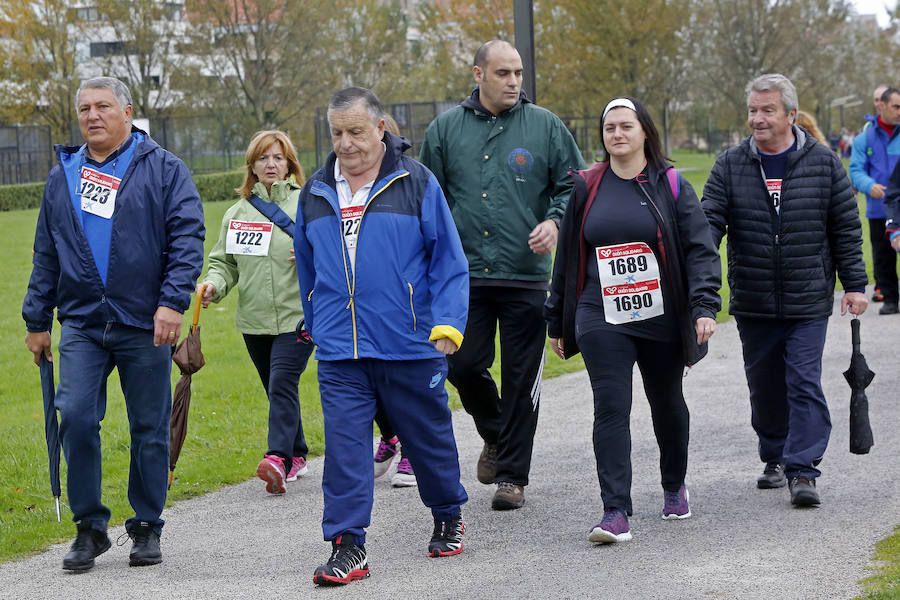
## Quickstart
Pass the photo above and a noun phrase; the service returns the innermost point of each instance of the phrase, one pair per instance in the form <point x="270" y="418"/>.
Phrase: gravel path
<point x="742" y="543"/>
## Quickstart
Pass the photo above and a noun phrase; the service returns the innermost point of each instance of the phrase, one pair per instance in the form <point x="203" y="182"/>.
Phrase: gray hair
<point x="350" y="96"/>
<point x="775" y="82"/>
<point x="119" y="89"/>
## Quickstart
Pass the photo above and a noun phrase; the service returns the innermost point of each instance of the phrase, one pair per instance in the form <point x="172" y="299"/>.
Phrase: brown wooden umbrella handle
<point x="197" y="307"/>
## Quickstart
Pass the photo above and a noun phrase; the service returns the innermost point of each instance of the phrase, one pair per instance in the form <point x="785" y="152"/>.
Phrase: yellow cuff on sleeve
<point x="446" y="331"/>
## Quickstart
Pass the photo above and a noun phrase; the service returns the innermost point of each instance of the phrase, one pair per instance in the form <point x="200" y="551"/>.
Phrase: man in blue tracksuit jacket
<point x="875" y="153"/>
<point x="117" y="249"/>
<point x="384" y="285"/>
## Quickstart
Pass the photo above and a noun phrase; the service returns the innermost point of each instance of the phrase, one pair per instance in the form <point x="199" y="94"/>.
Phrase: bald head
<point x="482" y="55"/>
<point x="498" y="74"/>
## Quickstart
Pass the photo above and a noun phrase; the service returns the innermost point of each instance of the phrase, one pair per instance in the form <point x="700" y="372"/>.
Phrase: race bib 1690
<point x="629" y="276"/>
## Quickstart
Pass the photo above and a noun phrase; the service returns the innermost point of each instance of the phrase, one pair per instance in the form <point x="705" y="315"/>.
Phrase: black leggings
<point x="609" y="357"/>
<point x="279" y="360"/>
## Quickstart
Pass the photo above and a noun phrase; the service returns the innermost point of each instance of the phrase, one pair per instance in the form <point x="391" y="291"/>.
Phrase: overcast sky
<point x="868" y="7"/>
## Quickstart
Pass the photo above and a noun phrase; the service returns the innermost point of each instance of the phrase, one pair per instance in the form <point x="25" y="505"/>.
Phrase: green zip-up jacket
<point x="269" y="297"/>
<point x="502" y="176"/>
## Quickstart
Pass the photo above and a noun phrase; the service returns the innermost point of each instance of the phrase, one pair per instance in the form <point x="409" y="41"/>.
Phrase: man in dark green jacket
<point x="503" y="164"/>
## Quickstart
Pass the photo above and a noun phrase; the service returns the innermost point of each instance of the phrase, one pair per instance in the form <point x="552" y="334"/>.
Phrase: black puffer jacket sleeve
<point x="703" y="266"/>
<point x="845" y="230"/>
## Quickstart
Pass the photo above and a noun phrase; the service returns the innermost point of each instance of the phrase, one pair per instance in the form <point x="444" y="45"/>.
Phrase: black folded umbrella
<point x="859" y="376"/>
<point x="51" y="426"/>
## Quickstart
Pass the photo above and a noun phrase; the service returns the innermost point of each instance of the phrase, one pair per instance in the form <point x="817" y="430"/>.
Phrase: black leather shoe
<point x="772" y="477"/>
<point x="88" y="545"/>
<point x="803" y="492"/>
<point x="889" y="308"/>
<point x="145" y="550"/>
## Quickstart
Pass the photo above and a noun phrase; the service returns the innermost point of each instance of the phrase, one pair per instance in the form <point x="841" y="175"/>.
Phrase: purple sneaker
<point x="384" y="456"/>
<point x="676" y="504"/>
<point x="613" y="528"/>
<point x="404" y="477"/>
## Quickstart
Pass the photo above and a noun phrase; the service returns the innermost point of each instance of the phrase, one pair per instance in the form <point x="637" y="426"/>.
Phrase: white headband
<point x="619" y="102"/>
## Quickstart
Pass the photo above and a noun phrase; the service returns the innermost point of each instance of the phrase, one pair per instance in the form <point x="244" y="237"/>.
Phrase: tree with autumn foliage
<point x="38" y="64"/>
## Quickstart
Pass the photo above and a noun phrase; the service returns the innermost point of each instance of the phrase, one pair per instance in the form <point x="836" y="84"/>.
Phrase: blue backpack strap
<point x="674" y="181"/>
<point x="274" y="213"/>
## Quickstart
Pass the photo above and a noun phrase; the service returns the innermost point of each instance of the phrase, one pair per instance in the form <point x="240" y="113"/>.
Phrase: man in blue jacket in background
<point x="875" y="153"/>
<point x="385" y="290"/>
<point x="117" y="249"/>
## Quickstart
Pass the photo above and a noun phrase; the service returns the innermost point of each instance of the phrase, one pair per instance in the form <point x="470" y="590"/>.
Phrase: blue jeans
<point x="87" y="355"/>
<point x="783" y="363"/>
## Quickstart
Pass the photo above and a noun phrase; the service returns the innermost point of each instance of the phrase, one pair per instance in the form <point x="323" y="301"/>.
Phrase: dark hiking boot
<point x="487" y="464"/>
<point x="772" y="477"/>
<point x="88" y="545"/>
<point x="508" y="496"/>
<point x="803" y="492"/>
<point x="889" y="308"/>
<point x="145" y="548"/>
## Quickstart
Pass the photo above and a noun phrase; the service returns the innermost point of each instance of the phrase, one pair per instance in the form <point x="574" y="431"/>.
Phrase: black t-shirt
<point x="620" y="214"/>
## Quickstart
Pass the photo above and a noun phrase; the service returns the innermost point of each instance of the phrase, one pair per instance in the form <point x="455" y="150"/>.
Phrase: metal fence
<point x="206" y="144"/>
<point x="26" y="154"/>
<point x="211" y="143"/>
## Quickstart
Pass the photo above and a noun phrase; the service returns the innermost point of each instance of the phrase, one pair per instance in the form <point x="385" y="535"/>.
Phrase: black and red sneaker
<point x="347" y="563"/>
<point x="447" y="537"/>
<point x="877" y="296"/>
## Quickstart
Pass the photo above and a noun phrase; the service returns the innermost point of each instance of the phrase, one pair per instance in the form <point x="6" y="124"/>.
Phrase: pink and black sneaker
<point x="298" y="468"/>
<point x="271" y="470"/>
<point x="385" y="455"/>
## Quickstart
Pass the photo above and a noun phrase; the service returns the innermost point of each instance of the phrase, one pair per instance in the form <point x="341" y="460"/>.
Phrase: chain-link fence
<point x="206" y="144"/>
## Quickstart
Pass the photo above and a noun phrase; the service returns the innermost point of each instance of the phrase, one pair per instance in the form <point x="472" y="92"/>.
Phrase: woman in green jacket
<point x="253" y="253"/>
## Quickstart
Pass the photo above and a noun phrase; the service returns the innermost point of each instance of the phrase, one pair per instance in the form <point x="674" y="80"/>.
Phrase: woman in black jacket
<point x="636" y="279"/>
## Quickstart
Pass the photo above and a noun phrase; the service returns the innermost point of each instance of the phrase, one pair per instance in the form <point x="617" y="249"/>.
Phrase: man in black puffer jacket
<point x="791" y="217"/>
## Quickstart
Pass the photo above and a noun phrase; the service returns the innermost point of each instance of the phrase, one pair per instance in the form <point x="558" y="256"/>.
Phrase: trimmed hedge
<point x="21" y="196"/>
<point x="218" y="187"/>
<point x="214" y="187"/>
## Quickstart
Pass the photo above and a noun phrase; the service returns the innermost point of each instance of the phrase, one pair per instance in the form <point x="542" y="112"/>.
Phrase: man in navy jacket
<point x="117" y="249"/>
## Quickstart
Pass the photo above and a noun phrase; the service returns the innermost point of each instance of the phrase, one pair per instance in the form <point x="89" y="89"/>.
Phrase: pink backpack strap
<point x="674" y="183"/>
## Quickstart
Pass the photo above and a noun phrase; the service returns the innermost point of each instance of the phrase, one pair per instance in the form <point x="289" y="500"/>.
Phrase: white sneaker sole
<point x="601" y="536"/>
<point x="383" y="467"/>
<point x="299" y="473"/>
<point x="674" y="517"/>
<point x="402" y="480"/>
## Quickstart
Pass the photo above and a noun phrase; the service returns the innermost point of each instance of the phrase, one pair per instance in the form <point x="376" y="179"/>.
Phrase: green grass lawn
<point x="227" y="428"/>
